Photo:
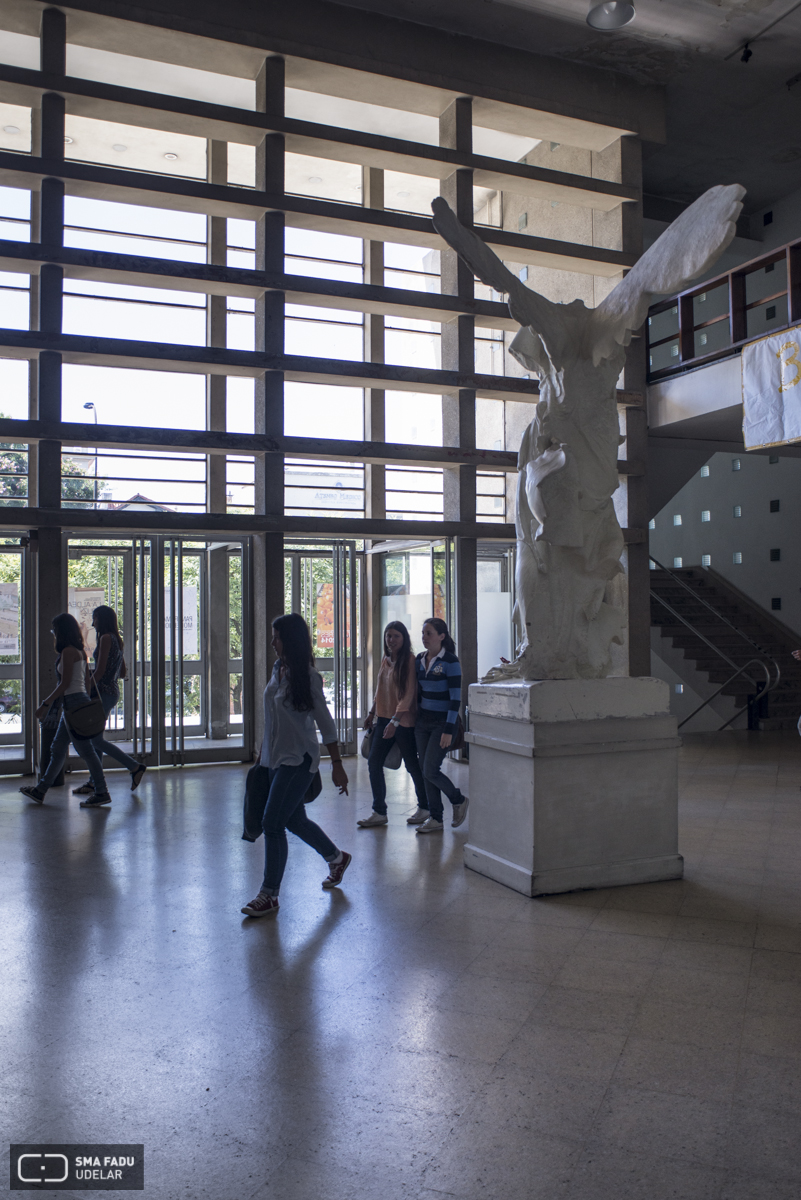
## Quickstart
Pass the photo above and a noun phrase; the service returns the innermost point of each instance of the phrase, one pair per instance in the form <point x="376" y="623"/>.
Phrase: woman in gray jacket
<point x="293" y="704"/>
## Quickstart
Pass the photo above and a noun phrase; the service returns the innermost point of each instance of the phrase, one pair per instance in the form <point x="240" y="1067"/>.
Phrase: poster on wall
<point x="325" y="617"/>
<point x="80" y="603"/>
<point x="9" y="619"/>
<point x="772" y="390"/>
<point x="190" y="621"/>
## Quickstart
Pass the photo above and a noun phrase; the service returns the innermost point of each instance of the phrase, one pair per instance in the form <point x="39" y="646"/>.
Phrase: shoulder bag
<point x="393" y="759"/>
<point x="88" y="720"/>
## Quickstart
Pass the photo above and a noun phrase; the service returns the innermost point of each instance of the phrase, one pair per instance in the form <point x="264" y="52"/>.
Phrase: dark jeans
<point x="427" y="732"/>
<point x="83" y="747"/>
<point x="285" y="810"/>
<point x="379" y="749"/>
<point x="109" y="700"/>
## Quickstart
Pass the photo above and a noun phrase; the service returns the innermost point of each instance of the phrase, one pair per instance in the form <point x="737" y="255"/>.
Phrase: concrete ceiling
<point x="727" y="120"/>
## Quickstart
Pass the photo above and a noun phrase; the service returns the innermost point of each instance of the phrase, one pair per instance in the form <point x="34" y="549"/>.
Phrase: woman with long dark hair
<point x="391" y="719"/>
<point x="109" y="669"/>
<point x="439" y="694"/>
<point x="293" y="704"/>
<point x="71" y="667"/>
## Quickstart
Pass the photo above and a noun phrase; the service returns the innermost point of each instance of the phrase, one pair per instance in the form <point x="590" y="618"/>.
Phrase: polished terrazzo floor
<point x="421" y="1032"/>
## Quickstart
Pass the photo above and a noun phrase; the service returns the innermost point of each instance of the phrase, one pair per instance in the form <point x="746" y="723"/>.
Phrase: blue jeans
<point x="427" y="732"/>
<point x="379" y="749"/>
<point x="109" y="700"/>
<point x="285" y="810"/>
<point x="83" y="746"/>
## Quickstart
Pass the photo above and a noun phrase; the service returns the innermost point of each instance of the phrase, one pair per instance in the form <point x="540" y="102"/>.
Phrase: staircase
<point x="765" y="638"/>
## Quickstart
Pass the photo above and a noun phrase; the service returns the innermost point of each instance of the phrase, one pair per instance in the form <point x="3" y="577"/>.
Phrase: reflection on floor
<point x="422" y="1032"/>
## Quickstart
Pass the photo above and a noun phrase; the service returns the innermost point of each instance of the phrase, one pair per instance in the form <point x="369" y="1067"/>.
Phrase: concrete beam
<point x="215" y="280"/>
<point x="346" y="52"/>
<point x="103" y="101"/>
<point x="301" y="212"/>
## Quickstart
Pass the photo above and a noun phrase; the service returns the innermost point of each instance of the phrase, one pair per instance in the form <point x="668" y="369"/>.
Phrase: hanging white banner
<point x="772" y="390"/>
<point x="190" y="621"/>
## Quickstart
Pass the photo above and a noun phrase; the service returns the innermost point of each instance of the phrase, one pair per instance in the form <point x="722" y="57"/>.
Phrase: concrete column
<point x="375" y="501"/>
<point x="459" y="409"/>
<point x="636" y="431"/>
<point x="216" y="331"/>
<point x="47" y="227"/>
<point x="268" y="548"/>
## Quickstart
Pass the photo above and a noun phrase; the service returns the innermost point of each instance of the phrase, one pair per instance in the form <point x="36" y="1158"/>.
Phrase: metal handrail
<point x="769" y="683"/>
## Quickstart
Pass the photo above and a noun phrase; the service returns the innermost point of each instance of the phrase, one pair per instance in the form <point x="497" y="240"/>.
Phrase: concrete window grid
<point x="156" y="105"/>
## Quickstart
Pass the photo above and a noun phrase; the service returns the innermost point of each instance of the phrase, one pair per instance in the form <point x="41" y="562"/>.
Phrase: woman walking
<point x="391" y="719"/>
<point x="293" y="704"/>
<point x="109" y="669"/>
<point x="439" y="683"/>
<point x="71" y="667"/>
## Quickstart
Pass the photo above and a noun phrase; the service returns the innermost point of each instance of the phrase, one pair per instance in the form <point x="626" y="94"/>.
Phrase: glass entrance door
<point x="16" y="724"/>
<point x="324" y="585"/>
<point x="202" y="643"/>
<point x="184" y="619"/>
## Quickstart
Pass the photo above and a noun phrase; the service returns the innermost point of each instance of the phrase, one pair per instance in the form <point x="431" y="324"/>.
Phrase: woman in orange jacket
<point x="392" y="717"/>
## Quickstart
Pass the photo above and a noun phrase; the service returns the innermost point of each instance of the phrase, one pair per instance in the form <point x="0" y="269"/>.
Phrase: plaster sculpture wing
<point x="683" y="252"/>
<point x="527" y="307"/>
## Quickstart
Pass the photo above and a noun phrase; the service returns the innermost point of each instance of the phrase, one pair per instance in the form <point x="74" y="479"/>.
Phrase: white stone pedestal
<point x="573" y="784"/>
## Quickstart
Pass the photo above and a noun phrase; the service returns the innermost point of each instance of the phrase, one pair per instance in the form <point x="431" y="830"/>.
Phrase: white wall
<point x="753" y="534"/>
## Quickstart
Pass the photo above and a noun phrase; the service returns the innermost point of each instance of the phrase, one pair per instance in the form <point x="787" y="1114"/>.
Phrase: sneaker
<point x="86" y="789"/>
<point x="430" y="826"/>
<point x="30" y="791"/>
<point x="417" y="817"/>
<point x="337" y="871"/>
<point x="374" y="819"/>
<point x="96" y="801"/>
<point x="459" y="813"/>
<point x="262" y="906"/>
<point x="136" y="776"/>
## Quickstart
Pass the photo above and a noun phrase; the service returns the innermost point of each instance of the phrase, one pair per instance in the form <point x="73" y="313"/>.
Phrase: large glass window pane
<point x="15" y="214"/>
<point x="14" y="388"/>
<point x="323" y="177"/>
<point x="414" y="418"/>
<point x="15" y="301"/>
<point x="125" y="396"/>
<point x="324" y="489"/>
<point x="134" y="229"/>
<point x="319" y="410"/>
<point x="135" y="481"/>
<point x="406" y="582"/>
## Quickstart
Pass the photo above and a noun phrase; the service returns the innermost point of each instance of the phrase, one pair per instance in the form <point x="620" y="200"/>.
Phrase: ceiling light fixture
<point x="67" y="140"/>
<point x="315" y="179"/>
<point x="10" y="129"/>
<point x="170" y="157"/>
<point x="747" y="53"/>
<point x="120" y="149"/>
<point x="611" y="15"/>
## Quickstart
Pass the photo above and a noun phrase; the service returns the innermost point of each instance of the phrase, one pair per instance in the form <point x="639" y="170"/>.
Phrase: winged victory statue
<point x="569" y="541"/>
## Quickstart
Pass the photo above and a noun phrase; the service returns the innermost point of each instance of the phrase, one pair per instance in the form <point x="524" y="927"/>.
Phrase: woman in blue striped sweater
<point x="439" y="694"/>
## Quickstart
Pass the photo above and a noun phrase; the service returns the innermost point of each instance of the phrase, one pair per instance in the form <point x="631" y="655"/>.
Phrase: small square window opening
<point x="677" y="519"/>
<point x="776" y="555"/>
<point x="773" y="459"/>
<point x="706" y="515"/>
<point x="706" y="560"/>
<point x="770" y="312"/>
<point x="775" y="505"/>
<point x="652" y="524"/>
<point x="678" y="562"/>
<point x="776" y="604"/>
<point x="735" y="464"/>
<point x="737" y="510"/>
<point x="679" y="688"/>
<point x="737" y="557"/>
<point x="705" y="472"/>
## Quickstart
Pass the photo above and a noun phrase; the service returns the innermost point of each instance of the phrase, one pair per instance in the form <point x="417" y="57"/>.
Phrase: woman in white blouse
<point x="293" y="704"/>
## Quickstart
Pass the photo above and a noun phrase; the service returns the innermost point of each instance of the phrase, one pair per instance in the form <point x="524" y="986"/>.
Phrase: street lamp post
<point x="90" y="404"/>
